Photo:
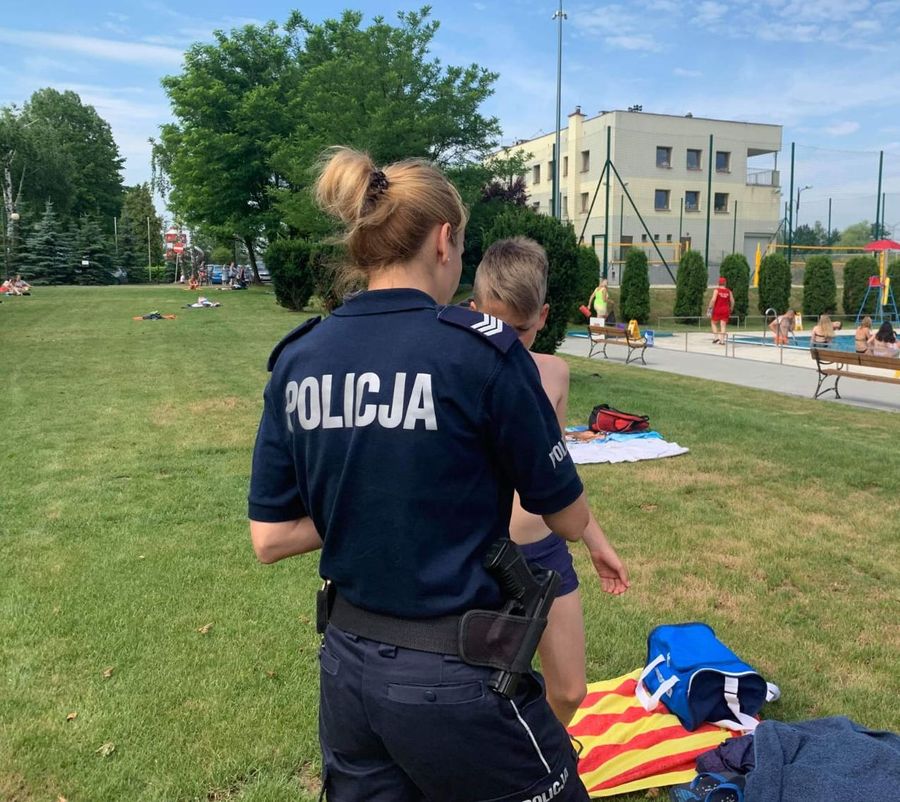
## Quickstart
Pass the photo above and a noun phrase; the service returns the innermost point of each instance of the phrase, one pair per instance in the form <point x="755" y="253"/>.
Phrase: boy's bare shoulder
<point x="554" y="371"/>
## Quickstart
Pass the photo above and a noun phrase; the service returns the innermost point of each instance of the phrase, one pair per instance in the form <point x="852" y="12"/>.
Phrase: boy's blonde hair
<point x="513" y="272"/>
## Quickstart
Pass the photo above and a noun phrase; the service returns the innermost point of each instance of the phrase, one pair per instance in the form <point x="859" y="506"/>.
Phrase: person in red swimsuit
<point x="720" y="305"/>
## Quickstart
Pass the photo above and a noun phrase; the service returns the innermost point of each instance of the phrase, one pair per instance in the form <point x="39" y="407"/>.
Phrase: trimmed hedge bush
<point x="736" y="270"/>
<point x="690" y="286"/>
<point x="774" y="284"/>
<point x="291" y="265"/>
<point x="819" y="288"/>
<point x="558" y="240"/>
<point x="634" y="291"/>
<point x="856" y="279"/>
<point x="588" y="279"/>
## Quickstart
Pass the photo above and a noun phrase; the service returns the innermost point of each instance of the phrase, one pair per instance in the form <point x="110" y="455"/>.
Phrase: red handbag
<point x="604" y="418"/>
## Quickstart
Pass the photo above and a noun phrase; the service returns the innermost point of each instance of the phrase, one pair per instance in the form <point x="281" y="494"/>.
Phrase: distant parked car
<point x="264" y="276"/>
<point x="215" y="274"/>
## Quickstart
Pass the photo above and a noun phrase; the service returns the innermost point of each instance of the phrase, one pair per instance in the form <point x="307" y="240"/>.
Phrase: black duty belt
<point x="436" y="635"/>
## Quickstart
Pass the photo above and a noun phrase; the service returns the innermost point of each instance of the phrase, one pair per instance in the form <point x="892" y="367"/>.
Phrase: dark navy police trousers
<point x="398" y="725"/>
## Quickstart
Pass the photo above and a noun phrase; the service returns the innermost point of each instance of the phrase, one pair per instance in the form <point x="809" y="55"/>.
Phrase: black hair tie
<point x="378" y="182"/>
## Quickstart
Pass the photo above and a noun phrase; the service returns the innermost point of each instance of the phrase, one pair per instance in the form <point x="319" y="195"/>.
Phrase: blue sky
<point x="828" y="70"/>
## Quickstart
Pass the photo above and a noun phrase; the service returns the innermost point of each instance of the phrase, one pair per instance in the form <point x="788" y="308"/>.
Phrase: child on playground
<point x="511" y="284"/>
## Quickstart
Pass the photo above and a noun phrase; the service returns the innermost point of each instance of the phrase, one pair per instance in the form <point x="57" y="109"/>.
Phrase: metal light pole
<point x="799" y="190"/>
<point x="559" y="16"/>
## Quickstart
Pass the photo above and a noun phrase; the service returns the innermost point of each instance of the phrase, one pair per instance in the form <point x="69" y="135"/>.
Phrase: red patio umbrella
<point x="883" y="245"/>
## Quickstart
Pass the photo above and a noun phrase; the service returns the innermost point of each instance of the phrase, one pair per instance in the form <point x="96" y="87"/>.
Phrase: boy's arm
<point x="609" y="567"/>
<point x="612" y="572"/>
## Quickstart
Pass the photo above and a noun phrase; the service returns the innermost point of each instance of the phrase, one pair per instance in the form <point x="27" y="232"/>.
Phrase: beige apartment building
<point x="665" y="162"/>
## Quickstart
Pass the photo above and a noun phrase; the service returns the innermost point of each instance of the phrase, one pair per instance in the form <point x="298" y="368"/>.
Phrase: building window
<point x="693" y="159"/>
<point x="536" y="206"/>
<point x="536" y="174"/>
<point x="565" y="170"/>
<point x="565" y="205"/>
<point x="585" y="201"/>
<point x="723" y="161"/>
<point x="721" y="203"/>
<point x="643" y="237"/>
<point x="551" y="173"/>
<point x="668" y="237"/>
<point x="585" y="161"/>
<point x="663" y="156"/>
<point x="656" y="237"/>
<point x="661" y="200"/>
<point x="692" y="200"/>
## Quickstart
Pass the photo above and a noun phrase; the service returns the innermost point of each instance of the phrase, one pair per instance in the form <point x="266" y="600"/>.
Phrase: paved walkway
<point x="751" y="366"/>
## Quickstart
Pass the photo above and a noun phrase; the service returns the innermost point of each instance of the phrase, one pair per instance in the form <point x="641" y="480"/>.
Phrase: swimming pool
<point x="842" y="342"/>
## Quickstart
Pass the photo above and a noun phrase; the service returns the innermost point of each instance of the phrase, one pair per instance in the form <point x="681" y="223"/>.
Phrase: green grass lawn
<point x="124" y="468"/>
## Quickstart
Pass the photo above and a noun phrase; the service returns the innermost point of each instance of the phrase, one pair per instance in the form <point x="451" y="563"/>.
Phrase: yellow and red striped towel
<point x="628" y="749"/>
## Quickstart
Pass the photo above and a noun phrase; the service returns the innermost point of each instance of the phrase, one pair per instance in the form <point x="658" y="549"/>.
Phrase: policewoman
<point x="393" y="436"/>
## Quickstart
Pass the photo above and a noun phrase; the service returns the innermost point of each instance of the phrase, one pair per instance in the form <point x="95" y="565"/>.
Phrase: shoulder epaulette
<point x="488" y="327"/>
<point x="302" y="329"/>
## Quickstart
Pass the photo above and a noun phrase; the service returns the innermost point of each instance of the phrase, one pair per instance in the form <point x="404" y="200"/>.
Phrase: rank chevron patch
<point x="489" y="326"/>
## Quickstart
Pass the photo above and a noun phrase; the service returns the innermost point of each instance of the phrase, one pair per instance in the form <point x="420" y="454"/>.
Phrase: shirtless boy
<point x="511" y="284"/>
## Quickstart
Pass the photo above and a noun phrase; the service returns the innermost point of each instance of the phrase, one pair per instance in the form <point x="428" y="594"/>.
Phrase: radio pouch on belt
<point x="324" y="605"/>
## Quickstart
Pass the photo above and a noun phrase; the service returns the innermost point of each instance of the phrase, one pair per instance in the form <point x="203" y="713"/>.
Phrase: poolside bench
<point x="840" y="364"/>
<point x="601" y="336"/>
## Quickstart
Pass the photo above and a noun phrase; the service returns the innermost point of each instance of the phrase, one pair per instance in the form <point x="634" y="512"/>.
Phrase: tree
<point x="634" y="291"/>
<point x="91" y="245"/>
<point x="774" y="284"/>
<point x="736" y="271"/>
<point x="819" y="288"/>
<point x="59" y="150"/>
<point x="221" y="255"/>
<point x="558" y="240"/>
<point x="487" y="189"/>
<point x="690" y="286"/>
<point x="857" y="235"/>
<point x="47" y="257"/>
<point x="232" y="110"/>
<point x="807" y="235"/>
<point x="290" y="263"/>
<point x="255" y="109"/>
<point x="856" y="279"/>
<point x="135" y="235"/>
<point x="587" y="280"/>
<point x="85" y="152"/>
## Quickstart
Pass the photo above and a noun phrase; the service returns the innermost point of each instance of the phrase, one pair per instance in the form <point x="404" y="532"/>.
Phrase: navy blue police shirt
<point x="402" y="428"/>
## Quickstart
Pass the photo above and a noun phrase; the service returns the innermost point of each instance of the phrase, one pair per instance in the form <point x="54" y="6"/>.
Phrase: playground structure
<point x="885" y="305"/>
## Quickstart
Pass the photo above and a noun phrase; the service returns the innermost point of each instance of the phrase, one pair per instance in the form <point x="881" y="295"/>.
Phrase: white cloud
<point x="709" y="12"/>
<point x="681" y="72"/>
<point x="843" y="128"/>
<point x="620" y="27"/>
<point x="124" y="52"/>
<point x="636" y="41"/>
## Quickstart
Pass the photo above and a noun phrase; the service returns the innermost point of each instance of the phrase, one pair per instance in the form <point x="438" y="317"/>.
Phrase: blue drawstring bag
<point x="698" y="678"/>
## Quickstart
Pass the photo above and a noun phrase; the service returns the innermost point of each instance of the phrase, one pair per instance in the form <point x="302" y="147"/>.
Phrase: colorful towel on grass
<point x="621" y="447"/>
<point x="628" y="749"/>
